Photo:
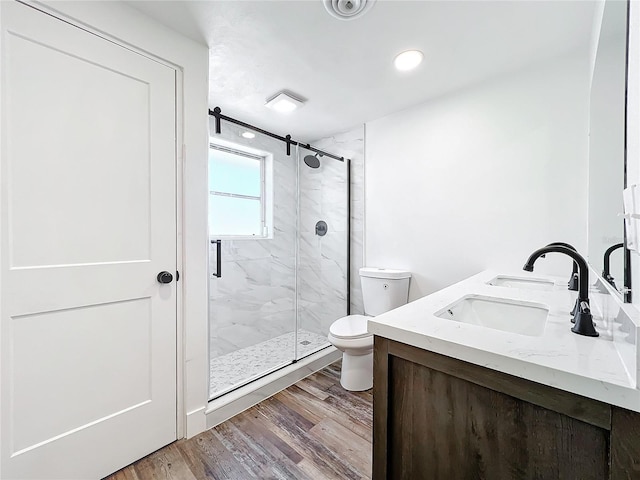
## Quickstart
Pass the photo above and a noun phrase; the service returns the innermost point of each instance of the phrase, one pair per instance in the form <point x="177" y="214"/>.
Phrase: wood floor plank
<point x="208" y="458"/>
<point x="312" y="470"/>
<point x="314" y="430"/>
<point x="344" y="443"/>
<point x="310" y="386"/>
<point x="286" y="413"/>
<point x="165" y="464"/>
<point x="366" y="395"/>
<point x="355" y="406"/>
<point x="295" y="400"/>
<point x="127" y="473"/>
<point x="334" y="370"/>
<point x="338" y="415"/>
<point x="332" y="373"/>
<point x="250" y="423"/>
<point x="258" y="456"/>
<point x="326" y="460"/>
<point x="318" y="383"/>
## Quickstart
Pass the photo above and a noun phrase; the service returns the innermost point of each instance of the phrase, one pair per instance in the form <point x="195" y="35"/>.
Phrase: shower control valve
<point x="321" y="228"/>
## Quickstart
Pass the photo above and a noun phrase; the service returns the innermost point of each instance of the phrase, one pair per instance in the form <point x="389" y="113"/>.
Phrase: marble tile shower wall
<point x="254" y="300"/>
<point x="351" y="145"/>
<point x="322" y="272"/>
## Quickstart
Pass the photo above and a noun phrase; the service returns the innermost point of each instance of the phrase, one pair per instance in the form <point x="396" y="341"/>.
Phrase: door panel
<point x="87" y="220"/>
<point x="90" y="168"/>
<point x="46" y="348"/>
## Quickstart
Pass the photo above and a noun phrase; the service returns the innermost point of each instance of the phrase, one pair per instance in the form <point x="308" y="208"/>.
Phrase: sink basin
<point x="523" y="318"/>
<point x="522" y="282"/>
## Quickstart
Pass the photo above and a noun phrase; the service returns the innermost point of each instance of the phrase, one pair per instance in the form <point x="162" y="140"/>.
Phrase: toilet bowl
<point x="382" y="290"/>
<point x="349" y="335"/>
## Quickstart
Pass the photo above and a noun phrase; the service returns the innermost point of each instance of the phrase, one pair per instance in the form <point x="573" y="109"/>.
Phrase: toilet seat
<point x="350" y="327"/>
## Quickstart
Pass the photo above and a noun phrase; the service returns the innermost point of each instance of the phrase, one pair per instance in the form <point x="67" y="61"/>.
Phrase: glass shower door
<point x="252" y="290"/>
<point x="323" y="248"/>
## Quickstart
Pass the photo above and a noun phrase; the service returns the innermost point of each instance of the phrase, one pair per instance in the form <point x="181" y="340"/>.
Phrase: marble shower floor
<point x="235" y="369"/>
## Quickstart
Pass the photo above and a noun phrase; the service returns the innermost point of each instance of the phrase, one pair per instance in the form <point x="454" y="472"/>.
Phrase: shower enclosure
<point x="278" y="265"/>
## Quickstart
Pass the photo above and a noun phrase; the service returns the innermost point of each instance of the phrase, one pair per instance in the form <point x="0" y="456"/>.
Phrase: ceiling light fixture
<point x="283" y="103"/>
<point x="347" y="9"/>
<point x="408" y="60"/>
<point x="248" y="135"/>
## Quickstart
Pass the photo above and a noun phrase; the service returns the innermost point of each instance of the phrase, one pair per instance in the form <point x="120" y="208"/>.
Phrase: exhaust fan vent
<point x="347" y="9"/>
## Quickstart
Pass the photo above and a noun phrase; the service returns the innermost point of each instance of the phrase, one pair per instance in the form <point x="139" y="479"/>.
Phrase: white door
<point x="87" y="221"/>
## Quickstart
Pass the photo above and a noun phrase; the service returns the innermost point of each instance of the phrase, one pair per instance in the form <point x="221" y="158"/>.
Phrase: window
<point x="237" y="199"/>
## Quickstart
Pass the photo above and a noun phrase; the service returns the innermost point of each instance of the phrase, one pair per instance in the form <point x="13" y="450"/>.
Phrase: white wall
<point x="481" y="178"/>
<point x="598" y="15"/>
<point x="127" y="26"/>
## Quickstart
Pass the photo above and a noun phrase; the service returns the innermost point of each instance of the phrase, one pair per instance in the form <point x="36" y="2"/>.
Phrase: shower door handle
<point x="218" y="258"/>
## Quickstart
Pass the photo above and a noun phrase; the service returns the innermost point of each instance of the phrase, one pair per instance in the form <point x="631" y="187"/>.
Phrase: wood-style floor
<point x="312" y="430"/>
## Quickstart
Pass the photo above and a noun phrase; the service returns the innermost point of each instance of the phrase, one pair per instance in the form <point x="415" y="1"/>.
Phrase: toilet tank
<point x="383" y="289"/>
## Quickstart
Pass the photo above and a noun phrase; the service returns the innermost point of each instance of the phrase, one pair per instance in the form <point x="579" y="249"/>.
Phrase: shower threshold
<point x="236" y="369"/>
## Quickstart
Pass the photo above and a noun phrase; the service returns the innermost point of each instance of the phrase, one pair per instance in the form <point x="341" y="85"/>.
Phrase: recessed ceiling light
<point x="248" y="135"/>
<point x="283" y="103"/>
<point x="408" y="60"/>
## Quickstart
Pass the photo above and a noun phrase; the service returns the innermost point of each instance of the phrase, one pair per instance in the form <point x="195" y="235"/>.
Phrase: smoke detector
<point x="347" y="9"/>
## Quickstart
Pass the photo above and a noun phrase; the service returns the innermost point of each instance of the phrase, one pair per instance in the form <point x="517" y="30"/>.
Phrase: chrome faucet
<point x="607" y="255"/>
<point x="573" y="281"/>
<point x="582" y="319"/>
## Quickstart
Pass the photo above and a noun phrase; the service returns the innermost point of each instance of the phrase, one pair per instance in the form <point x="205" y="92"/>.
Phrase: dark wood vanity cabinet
<point x="438" y="418"/>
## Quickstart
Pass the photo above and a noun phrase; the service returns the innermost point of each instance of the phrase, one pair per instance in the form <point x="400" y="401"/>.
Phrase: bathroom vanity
<point x="462" y="394"/>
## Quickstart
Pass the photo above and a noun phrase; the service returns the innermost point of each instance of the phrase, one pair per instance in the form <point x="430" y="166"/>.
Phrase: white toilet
<point x="382" y="290"/>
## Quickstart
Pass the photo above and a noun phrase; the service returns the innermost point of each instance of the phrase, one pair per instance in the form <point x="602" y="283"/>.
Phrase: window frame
<point x="265" y="160"/>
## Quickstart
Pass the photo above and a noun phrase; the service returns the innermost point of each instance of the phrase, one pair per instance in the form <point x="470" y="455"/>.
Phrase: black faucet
<point x="573" y="281"/>
<point x="582" y="317"/>
<point x="605" y="271"/>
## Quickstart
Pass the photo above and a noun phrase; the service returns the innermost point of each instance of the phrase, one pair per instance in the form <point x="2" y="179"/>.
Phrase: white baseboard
<point x="196" y="422"/>
<point x="231" y="404"/>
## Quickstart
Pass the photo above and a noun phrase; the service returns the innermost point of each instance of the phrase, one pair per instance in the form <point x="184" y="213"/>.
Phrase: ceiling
<point x="344" y="69"/>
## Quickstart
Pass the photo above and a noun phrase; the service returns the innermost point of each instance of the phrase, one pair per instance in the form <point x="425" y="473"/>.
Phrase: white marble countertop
<point x="592" y="367"/>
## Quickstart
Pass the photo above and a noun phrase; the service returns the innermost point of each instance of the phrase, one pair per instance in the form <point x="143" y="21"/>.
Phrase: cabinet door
<point x="436" y="417"/>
